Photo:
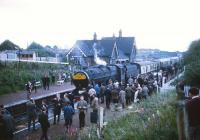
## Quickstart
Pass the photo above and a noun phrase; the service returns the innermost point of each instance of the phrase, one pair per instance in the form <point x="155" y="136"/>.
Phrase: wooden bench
<point x="60" y="82"/>
<point x="37" y="83"/>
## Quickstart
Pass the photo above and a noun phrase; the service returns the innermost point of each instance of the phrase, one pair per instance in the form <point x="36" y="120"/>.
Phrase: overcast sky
<point x="163" y="24"/>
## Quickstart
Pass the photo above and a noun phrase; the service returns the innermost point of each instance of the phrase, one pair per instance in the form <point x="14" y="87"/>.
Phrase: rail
<point x="18" y="109"/>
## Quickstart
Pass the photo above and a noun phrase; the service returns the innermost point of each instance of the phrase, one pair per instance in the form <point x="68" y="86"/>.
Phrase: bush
<point x="192" y="63"/>
<point x="155" y="121"/>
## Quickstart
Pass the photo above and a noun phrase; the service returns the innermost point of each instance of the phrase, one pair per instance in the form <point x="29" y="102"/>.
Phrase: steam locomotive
<point x="121" y="71"/>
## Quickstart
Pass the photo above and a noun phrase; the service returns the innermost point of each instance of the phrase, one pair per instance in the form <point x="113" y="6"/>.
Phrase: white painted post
<point x="101" y="118"/>
<point x="58" y="95"/>
<point x="157" y="88"/>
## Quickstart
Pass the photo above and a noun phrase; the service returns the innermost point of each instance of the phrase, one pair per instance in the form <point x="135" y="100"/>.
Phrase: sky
<point x="158" y="24"/>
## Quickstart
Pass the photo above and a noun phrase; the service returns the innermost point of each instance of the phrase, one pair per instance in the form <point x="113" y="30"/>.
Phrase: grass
<point x="14" y="76"/>
<point x="155" y="121"/>
<point x="88" y="133"/>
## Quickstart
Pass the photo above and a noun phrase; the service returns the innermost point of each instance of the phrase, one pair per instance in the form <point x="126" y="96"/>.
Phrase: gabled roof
<point x="26" y="52"/>
<point x="105" y="46"/>
<point x="76" y="52"/>
<point x="126" y="44"/>
<point x="10" y="51"/>
<point x="86" y="46"/>
<point x="122" y="55"/>
<point x="108" y="45"/>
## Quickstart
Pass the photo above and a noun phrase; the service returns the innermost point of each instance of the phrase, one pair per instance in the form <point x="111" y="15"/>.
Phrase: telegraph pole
<point x="19" y="60"/>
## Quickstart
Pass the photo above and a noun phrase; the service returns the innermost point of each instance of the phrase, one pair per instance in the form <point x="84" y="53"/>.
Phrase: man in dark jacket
<point x="129" y="93"/>
<point x="47" y="78"/>
<point x="31" y="113"/>
<point x="8" y="122"/>
<point x="2" y="128"/>
<point x="33" y="83"/>
<point x="44" y="82"/>
<point x="68" y="114"/>
<point x="43" y="120"/>
<point x="193" y="108"/>
<point x="71" y="98"/>
<point x="57" y="105"/>
<point x="108" y="97"/>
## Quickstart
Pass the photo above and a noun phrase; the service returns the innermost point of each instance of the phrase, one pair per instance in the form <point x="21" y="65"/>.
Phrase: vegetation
<point x="156" y="120"/>
<point x="8" y="45"/>
<point x="40" y="50"/>
<point x="14" y="75"/>
<point x="192" y="63"/>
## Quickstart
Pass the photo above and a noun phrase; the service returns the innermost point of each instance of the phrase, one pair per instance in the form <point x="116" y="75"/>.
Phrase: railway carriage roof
<point x="146" y="62"/>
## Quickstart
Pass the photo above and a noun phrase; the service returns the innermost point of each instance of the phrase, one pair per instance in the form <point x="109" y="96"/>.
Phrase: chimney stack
<point x="95" y="36"/>
<point x="120" y="33"/>
<point x="114" y="36"/>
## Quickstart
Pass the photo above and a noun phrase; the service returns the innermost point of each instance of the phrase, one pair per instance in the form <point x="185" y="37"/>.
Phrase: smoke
<point x="98" y="60"/>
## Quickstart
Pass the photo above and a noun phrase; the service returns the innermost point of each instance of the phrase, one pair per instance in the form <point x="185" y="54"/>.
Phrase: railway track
<point x="18" y="109"/>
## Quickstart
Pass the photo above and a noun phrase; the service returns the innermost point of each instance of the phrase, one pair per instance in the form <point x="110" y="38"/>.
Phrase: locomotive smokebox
<point x="80" y="80"/>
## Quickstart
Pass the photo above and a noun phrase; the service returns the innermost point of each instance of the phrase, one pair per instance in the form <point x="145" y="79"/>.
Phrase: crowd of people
<point x="135" y="90"/>
<point x="116" y="93"/>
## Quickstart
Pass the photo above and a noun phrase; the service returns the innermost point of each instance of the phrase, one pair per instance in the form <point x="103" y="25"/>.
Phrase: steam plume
<point x="98" y="60"/>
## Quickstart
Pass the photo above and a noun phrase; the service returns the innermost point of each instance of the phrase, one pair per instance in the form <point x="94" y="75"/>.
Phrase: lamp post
<point x="19" y="60"/>
<point x="157" y="74"/>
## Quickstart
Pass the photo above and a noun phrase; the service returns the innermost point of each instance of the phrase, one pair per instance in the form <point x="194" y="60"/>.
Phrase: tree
<point x="8" y="45"/>
<point x="192" y="63"/>
<point x="40" y="50"/>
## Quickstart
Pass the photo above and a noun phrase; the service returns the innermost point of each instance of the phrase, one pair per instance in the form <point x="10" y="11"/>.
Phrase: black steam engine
<point x="102" y="74"/>
<point x="119" y="72"/>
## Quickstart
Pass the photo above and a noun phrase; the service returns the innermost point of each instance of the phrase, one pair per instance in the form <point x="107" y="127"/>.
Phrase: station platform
<point x="21" y="96"/>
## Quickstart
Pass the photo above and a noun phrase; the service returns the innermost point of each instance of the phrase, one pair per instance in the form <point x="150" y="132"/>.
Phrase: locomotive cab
<point x="121" y="70"/>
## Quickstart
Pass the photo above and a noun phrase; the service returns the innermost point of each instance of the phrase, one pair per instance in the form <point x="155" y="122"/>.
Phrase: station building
<point x="107" y="50"/>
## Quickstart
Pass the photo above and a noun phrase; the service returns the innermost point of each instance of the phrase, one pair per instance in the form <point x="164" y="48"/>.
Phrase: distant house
<point x="9" y="55"/>
<point x="27" y="55"/>
<point x="108" y="50"/>
<point x="14" y="55"/>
